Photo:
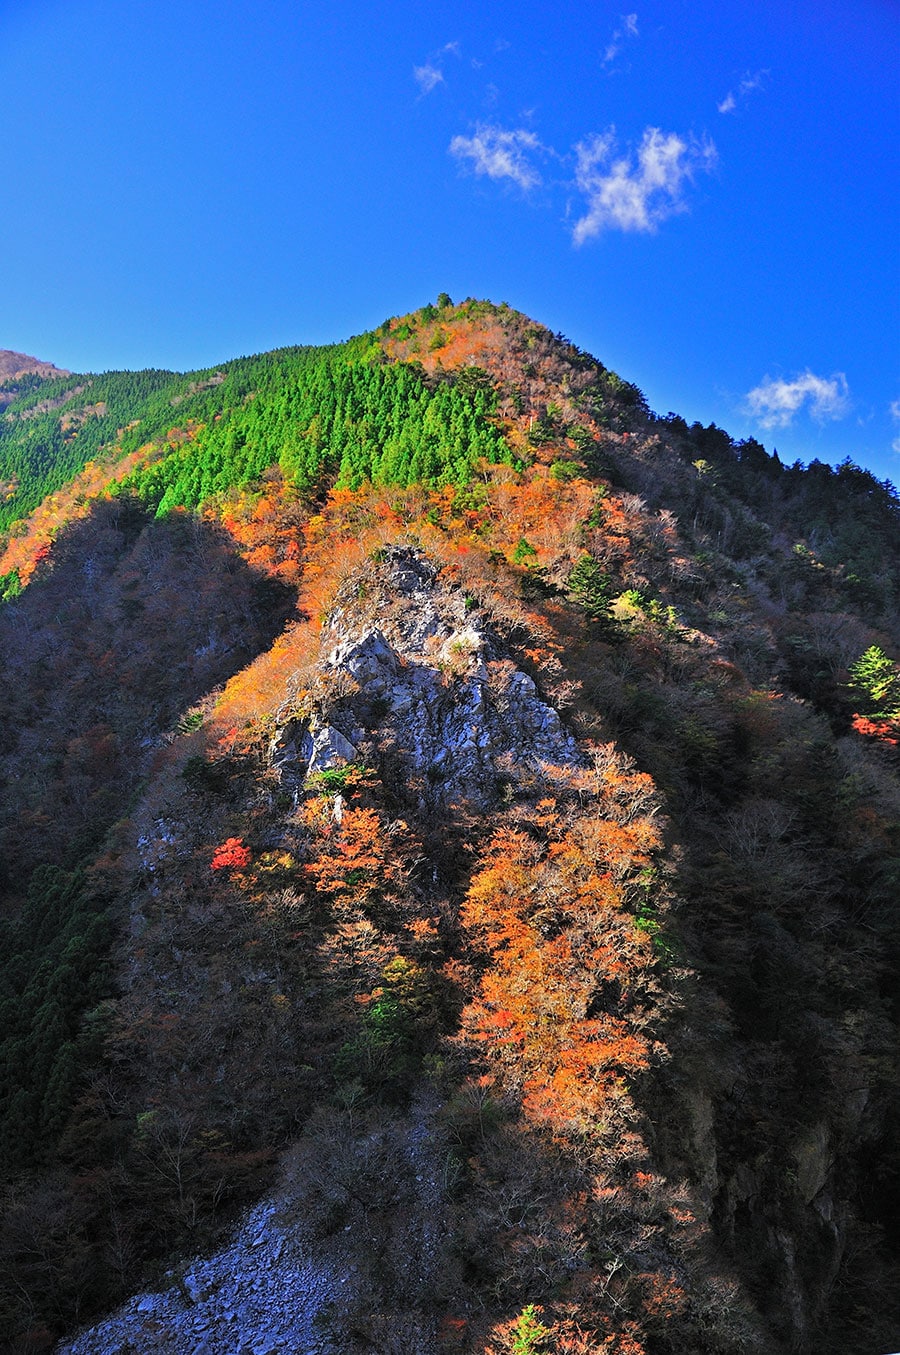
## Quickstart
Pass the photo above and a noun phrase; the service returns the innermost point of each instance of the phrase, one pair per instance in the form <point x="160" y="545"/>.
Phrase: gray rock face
<point x="329" y="747"/>
<point x="431" y="685"/>
<point x="303" y="748"/>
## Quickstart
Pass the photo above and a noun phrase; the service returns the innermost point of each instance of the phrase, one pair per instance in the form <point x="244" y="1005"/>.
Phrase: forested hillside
<point x="448" y="794"/>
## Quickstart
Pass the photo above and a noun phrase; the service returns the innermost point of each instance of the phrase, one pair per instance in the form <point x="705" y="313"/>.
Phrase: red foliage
<point x="883" y="730"/>
<point x="231" y="855"/>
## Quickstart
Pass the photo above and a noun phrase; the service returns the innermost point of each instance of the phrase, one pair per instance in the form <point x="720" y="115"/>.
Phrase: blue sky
<point x="704" y="195"/>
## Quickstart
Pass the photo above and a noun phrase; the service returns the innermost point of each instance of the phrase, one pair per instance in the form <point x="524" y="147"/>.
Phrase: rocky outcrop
<point x="424" y="682"/>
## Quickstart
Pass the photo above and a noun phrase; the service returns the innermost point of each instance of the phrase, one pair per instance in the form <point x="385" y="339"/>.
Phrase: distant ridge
<point x="13" y="365"/>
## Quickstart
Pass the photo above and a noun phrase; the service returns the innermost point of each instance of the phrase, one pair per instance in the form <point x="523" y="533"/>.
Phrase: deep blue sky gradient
<point x="185" y="182"/>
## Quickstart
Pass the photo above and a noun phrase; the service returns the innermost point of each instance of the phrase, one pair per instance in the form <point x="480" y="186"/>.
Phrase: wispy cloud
<point x="428" y="77"/>
<point x="635" y="193"/>
<point x="627" y="27"/>
<point x="430" y="74"/>
<point x="500" y="154"/>
<point x="741" y="91"/>
<point x="895" y="415"/>
<point x="774" y="402"/>
<point x="626" y="190"/>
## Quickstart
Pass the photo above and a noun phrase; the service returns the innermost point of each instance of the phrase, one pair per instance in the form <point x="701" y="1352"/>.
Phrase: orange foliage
<point x="550" y="914"/>
<point x="266" y="528"/>
<point x="261" y="687"/>
<point x="361" y="856"/>
<point x="476" y="341"/>
<point x="24" y="552"/>
<point x="882" y="730"/>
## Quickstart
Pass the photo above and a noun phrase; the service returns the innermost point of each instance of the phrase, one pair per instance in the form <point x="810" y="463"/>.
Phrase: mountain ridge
<point x="257" y="646"/>
<point x="14" y="364"/>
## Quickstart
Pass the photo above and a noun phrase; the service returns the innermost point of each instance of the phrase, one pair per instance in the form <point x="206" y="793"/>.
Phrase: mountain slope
<point x="15" y="365"/>
<point x="418" y="742"/>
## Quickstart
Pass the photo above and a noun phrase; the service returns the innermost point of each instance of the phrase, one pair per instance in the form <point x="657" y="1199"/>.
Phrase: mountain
<point x="449" y="850"/>
<point x="14" y="365"/>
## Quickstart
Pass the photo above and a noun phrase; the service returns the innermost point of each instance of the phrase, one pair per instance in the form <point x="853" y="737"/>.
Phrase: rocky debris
<point x="273" y="1290"/>
<point x="814" y="1158"/>
<point x="154" y="847"/>
<point x="425" y="678"/>
<point x="261" y="1295"/>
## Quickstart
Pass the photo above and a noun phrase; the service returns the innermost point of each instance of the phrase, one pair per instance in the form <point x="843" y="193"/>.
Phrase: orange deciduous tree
<point x="556" y="1012"/>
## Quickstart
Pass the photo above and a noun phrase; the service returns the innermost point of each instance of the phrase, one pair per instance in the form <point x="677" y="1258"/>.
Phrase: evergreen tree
<point x="876" y="680"/>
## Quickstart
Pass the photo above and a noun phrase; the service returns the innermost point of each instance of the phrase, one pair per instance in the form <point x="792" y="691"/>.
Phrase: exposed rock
<point x="329" y="747"/>
<point x="703" y="1144"/>
<point x="429" y="684"/>
<point x="302" y="748"/>
<point x="814" y="1158"/>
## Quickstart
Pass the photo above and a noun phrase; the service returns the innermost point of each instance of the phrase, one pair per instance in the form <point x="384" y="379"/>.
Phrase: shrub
<point x="231" y="855"/>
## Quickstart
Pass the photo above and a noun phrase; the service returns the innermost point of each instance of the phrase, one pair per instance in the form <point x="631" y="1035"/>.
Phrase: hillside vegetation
<point x="442" y="787"/>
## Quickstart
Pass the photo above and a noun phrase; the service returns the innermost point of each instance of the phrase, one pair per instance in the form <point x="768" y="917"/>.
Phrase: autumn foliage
<point x="548" y="911"/>
<point x="572" y="1074"/>
<point x="231" y="855"/>
<point x="885" y="731"/>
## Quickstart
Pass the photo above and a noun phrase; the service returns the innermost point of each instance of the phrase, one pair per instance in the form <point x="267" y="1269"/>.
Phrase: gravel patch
<point x="260" y="1295"/>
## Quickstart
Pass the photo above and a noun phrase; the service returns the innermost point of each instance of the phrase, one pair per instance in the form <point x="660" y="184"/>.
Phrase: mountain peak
<point x="446" y="810"/>
<point x="13" y="365"/>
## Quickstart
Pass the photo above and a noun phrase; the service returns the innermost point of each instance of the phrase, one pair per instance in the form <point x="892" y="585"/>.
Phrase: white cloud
<point x="774" y="402"/>
<point x="635" y="195"/>
<point x="745" y="87"/>
<point x="430" y="74"/>
<point x="895" y="414"/>
<point x="500" y="154"/>
<point x="627" y="28"/>
<point x="428" y="77"/>
<point x="630" y="191"/>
